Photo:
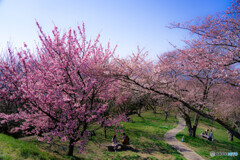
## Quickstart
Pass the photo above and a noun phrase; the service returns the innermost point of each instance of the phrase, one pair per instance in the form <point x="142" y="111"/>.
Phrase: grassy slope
<point x="11" y="149"/>
<point x="146" y="138"/>
<point x="220" y="143"/>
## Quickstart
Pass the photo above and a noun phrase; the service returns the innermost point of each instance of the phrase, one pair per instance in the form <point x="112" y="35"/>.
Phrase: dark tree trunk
<point x="230" y="136"/>
<point x="154" y="109"/>
<point x="70" y="147"/>
<point x="194" y="132"/>
<point x="195" y="124"/>
<point x="191" y="128"/>
<point x="71" y="142"/>
<point x="166" y="116"/>
<point x="139" y="112"/>
<point x="189" y="124"/>
<point x="105" y="131"/>
<point x="190" y="131"/>
<point x="85" y="125"/>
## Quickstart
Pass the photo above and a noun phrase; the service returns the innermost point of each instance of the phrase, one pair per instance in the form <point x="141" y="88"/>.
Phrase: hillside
<point x="146" y="142"/>
<point x="220" y="144"/>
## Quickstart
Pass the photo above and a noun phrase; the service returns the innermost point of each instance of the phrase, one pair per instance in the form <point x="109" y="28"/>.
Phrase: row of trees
<point x="71" y="83"/>
<point x="203" y="77"/>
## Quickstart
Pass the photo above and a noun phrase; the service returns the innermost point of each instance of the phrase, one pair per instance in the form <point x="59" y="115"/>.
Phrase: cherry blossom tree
<point x="226" y="105"/>
<point x="167" y="105"/>
<point x="60" y="88"/>
<point x="217" y="43"/>
<point x="187" y="76"/>
<point x="220" y="31"/>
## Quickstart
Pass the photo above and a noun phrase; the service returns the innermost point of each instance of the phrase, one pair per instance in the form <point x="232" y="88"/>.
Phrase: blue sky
<point x="127" y="23"/>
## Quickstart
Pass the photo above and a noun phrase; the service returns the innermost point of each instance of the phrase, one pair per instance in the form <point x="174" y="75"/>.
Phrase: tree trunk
<point x="194" y="131"/>
<point x="105" y="131"/>
<point x="85" y="125"/>
<point x="175" y="116"/>
<point x="189" y="124"/>
<point x="230" y="136"/>
<point x="154" y="109"/>
<point x="190" y="131"/>
<point x="139" y="112"/>
<point x="195" y="124"/>
<point x="166" y="116"/>
<point x="70" y="147"/>
<point x="191" y="128"/>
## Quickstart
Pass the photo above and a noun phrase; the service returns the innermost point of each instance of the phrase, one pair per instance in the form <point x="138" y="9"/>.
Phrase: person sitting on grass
<point x="210" y="136"/>
<point x="114" y="143"/>
<point x="206" y="131"/>
<point x="125" y="139"/>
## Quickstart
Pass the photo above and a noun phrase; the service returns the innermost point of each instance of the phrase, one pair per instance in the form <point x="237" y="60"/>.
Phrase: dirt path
<point x="170" y="138"/>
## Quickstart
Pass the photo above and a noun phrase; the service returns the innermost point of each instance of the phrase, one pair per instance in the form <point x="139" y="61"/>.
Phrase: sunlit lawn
<point x="11" y="149"/>
<point x="146" y="138"/>
<point x="220" y="143"/>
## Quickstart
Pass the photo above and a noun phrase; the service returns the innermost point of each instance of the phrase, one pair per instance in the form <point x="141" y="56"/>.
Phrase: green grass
<point x="146" y="138"/>
<point x="13" y="149"/>
<point x="146" y="141"/>
<point x="204" y="147"/>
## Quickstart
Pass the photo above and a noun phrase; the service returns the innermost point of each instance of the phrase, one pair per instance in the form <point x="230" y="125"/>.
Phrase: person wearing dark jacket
<point x="125" y="139"/>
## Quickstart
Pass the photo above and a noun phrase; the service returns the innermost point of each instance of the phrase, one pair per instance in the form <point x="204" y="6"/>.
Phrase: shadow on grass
<point x="56" y="147"/>
<point x="127" y="148"/>
<point x="74" y="158"/>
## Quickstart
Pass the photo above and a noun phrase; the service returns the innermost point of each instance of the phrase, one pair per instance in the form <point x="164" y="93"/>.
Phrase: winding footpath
<point x="170" y="138"/>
